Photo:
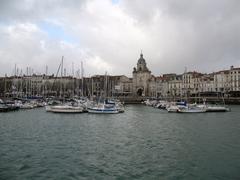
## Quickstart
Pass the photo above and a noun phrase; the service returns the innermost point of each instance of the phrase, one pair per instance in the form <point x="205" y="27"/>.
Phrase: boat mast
<point x="82" y="78"/>
<point x="21" y="76"/>
<point x="105" y="86"/>
<point x="5" y="85"/>
<point x="73" y="81"/>
<point x="92" y="87"/>
<point x="61" y="89"/>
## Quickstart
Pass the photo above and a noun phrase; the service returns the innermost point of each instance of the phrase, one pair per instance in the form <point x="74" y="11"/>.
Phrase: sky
<point x="109" y="35"/>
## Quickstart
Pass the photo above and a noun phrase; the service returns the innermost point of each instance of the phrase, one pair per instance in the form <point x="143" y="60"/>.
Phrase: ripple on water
<point x="23" y="167"/>
<point x="142" y="143"/>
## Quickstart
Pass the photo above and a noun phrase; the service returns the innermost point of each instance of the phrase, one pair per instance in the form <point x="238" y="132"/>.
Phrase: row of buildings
<point x="141" y="84"/>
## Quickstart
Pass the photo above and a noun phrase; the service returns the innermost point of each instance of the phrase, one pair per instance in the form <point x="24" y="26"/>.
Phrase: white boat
<point x="217" y="108"/>
<point x="173" y="108"/>
<point x="115" y="103"/>
<point x="103" y="109"/>
<point x="214" y="108"/>
<point x="120" y="108"/>
<point x="64" y="109"/>
<point x="26" y="106"/>
<point x="191" y="110"/>
<point x="162" y="105"/>
<point x="150" y="102"/>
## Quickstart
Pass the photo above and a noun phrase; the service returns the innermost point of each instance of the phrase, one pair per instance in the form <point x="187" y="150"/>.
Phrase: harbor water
<point x="142" y="143"/>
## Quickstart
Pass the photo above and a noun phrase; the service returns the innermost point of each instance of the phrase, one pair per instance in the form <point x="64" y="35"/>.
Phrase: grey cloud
<point x="25" y="10"/>
<point x="212" y="41"/>
<point x="200" y="35"/>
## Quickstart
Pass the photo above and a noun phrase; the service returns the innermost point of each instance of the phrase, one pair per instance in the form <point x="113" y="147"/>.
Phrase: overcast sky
<point x="108" y="35"/>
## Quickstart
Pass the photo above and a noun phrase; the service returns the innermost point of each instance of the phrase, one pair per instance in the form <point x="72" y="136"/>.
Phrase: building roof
<point x="223" y="71"/>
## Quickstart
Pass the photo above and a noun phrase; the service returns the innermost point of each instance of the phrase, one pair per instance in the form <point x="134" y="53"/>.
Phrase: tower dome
<point x="141" y="60"/>
<point x="141" y="64"/>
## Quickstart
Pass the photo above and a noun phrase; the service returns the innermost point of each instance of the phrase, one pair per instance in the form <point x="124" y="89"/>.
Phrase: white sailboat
<point x="72" y="107"/>
<point x="216" y="108"/>
<point x="192" y="109"/>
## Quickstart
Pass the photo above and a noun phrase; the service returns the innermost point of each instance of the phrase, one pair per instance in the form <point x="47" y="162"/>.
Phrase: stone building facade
<point x="141" y="78"/>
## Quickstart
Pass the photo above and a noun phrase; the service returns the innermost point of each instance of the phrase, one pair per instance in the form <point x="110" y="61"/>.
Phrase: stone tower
<point x="141" y="77"/>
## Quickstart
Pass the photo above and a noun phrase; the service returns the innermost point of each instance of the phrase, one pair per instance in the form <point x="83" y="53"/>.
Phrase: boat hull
<point x="217" y="109"/>
<point x="7" y="109"/>
<point x="191" y="110"/>
<point x="68" y="109"/>
<point x="102" y="111"/>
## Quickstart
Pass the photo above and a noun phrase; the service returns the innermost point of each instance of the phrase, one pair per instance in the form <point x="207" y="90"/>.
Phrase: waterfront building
<point x="159" y="87"/>
<point x="190" y="83"/>
<point x="222" y="81"/>
<point x="234" y="77"/>
<point x="206" y="84"/>
<point x="142" y="84"/>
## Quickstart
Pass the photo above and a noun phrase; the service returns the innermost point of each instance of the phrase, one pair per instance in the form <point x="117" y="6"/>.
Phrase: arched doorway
<point x="140" y="92"/>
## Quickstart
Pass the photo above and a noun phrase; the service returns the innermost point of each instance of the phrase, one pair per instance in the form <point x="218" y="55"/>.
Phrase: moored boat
<point x="189" y="109"/>
<point x="64" y="109"/>
<point x="173" y="108"/>
<point x="217" y="109"/>
<point x="6" y="107"/>
<point x="103" y="109"/>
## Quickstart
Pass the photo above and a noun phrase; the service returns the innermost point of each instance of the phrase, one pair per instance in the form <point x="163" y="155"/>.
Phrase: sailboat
<point x="217" y="108"/>
<point x="191" y="109"/>
<point x="65" y="108"/>
<point x="105" y="107"/>
<point x="102" y="108"/>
